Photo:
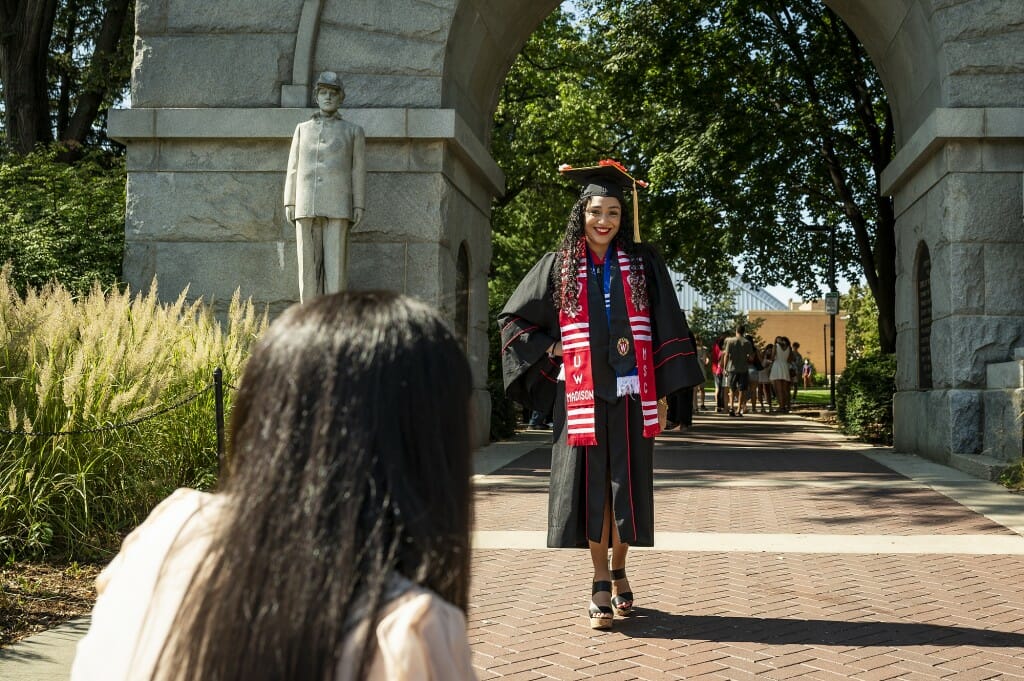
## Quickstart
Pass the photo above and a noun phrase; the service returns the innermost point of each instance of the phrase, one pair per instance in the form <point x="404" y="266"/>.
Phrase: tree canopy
<point x="62" y="221"/>
<point x="549" y="114"/>
<point x="750" y="118"/>
<point x="63" y="63"/>
<point x="861" y="327"/>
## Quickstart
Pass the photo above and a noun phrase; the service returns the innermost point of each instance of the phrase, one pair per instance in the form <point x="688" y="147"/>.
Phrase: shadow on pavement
<point x="715" y="459"/>
<point x="650" y="623"/>
<point x="40" y="647"/>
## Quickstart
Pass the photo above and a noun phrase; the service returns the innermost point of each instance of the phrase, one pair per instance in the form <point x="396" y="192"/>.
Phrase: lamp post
<point x="824" y="345"/>
<point x="831" y="306"/>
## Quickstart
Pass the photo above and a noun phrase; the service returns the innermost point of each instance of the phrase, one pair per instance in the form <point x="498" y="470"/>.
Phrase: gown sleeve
<point x="675" y="355"/>
<point x="529" y="325"/>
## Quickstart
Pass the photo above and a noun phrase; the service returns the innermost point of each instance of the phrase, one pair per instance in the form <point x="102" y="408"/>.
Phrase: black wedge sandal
<point x="623" y="602"/>
<point x="601" y="616"/>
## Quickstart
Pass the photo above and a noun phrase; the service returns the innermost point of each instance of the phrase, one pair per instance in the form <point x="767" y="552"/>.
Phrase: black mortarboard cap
<point x="607" y="178"/>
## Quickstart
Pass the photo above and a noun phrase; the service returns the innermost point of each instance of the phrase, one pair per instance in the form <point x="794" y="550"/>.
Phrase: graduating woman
<point x="595" y="331"/>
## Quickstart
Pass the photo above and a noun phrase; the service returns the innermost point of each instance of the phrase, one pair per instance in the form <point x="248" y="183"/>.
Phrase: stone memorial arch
<point x="218" y="87"/>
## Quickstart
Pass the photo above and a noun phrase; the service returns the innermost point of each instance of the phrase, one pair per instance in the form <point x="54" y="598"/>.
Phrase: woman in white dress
<point x="337" y="547"/>
<point x="780" y="372"/>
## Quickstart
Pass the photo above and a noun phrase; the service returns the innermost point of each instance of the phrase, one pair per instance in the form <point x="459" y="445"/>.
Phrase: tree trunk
<point x="65" y="82"/>
<point x="880" y="152"/>
<point x="885" y="260"/>
<point x="105" y="49"/>
<point x="877" y="255"/>
<point x="24" y="46"/>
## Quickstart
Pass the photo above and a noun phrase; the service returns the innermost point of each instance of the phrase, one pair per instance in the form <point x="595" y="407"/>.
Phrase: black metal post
<point x="832" y="318"/>
<point x="218" y="401"/>
<point x="830" y="366"/>
<point x="824" y="344"/>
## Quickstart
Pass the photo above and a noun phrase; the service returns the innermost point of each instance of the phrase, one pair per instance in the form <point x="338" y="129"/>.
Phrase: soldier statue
<point x="325" y="190"/>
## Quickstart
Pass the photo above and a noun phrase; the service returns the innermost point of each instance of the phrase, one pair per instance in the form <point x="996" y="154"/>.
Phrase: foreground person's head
<point x="350" y="465"/>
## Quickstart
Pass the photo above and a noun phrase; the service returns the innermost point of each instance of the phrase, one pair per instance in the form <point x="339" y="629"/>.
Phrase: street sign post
<point x="832" y="303"/>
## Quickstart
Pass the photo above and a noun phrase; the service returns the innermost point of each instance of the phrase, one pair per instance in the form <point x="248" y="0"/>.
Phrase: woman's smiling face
<point x="602" y="217"/>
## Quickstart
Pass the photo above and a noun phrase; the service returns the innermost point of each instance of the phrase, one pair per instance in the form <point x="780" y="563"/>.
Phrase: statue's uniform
<point x="326" y="183"/>
<point x="326" y="171"/>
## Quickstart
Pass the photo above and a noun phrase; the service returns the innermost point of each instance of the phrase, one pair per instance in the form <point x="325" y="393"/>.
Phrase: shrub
<point x="72" y="364"/>
<point x="1013" y="476"/>
<point x="503" y="410"/>
<point x="864" y="398"/>
<point x="61" y="222"/>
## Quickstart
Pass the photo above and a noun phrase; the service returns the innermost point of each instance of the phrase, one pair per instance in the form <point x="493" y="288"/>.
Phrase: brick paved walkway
<point x="804" y="603"/>
<point x="784" y="551"/>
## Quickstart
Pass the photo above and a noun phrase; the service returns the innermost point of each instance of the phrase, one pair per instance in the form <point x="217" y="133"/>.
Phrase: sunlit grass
<point x="818" y="397"/>
<point x="104" y="359"/>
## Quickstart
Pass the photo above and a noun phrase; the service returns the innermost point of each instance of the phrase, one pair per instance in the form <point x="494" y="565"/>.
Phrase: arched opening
<point x="486" y="36"/>
<point x="923" y="287"/>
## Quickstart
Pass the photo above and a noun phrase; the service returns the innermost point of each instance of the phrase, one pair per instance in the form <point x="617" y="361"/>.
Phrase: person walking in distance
<point x="807" y="372"/>
<point x="753" y="376"/>
<point x="796" y="365"/>
<point x="699" y="397"/>
<point x="737" y="353"/>
<point x="721" y="380"/>
<point x="325" y="190"/>
<point x="764" y="381"/>
<point x="780" y="372"/>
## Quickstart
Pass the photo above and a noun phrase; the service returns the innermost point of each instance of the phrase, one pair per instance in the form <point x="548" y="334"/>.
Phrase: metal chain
<point x="180" y="403"/>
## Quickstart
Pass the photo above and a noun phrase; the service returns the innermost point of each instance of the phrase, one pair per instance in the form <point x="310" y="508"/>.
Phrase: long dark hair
<point x="573" y="247"/>
<point x="350" y="464"/>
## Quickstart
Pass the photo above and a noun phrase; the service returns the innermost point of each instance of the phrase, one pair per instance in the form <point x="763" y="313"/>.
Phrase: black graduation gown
<point x="623" y="459"/>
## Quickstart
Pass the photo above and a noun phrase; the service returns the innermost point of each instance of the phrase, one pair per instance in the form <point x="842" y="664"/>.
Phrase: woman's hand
<point x="555" y="350"/>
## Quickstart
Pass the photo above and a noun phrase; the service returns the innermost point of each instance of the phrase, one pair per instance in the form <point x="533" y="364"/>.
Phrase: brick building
<point x="806" y="324"/>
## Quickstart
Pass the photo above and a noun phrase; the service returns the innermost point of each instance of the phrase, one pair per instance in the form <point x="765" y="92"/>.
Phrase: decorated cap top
<point x="607" y="178"/>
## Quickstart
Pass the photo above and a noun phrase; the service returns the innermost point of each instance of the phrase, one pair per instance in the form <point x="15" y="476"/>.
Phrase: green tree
<point x="62" y="65"/>
<point x="720" y="318"/>
<point x="62" y="222"/>
<point x="551" y="111"/>
<point x="753" y="118"/>
<point x="861" y="327"/>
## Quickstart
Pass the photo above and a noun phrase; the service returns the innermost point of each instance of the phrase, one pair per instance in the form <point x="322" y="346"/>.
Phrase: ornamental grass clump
<point x="112" y="363"/>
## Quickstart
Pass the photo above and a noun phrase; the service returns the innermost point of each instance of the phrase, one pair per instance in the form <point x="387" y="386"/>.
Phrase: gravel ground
<point x="39" y="596"/>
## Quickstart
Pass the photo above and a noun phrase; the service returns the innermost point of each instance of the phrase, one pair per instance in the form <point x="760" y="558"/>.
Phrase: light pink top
<point x="420" y="637"/>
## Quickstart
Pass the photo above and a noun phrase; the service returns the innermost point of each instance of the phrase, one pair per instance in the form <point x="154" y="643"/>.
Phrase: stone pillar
<point x="204" y="210"/>
<point x="958" y="187"/>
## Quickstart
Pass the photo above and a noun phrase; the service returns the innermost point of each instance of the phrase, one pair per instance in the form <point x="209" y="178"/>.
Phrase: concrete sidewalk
<point x="783" y="550"/>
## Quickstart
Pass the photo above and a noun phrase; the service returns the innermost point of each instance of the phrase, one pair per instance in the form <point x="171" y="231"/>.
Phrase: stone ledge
<point x="944" y="125"/>
<point x="126" y="125"/>
<point x="1005" y="375"/>
<point x="978" y="465"/>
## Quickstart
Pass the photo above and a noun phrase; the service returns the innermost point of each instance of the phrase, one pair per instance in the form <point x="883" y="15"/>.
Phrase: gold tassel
<point x="636" y="215"/>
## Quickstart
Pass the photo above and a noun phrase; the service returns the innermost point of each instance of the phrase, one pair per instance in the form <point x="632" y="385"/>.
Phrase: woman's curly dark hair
<point x="573" y="247"/>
